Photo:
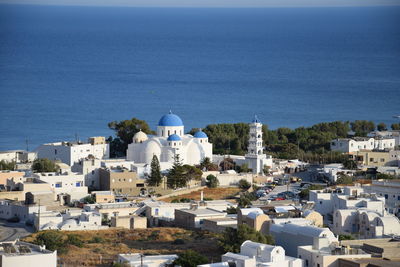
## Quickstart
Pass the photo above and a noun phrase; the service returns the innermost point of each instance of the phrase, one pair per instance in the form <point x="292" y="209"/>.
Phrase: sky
<point x="210" y="3"/>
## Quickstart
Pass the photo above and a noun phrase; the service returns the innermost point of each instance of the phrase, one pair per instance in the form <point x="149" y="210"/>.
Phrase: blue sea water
<point x="71" y="70"/>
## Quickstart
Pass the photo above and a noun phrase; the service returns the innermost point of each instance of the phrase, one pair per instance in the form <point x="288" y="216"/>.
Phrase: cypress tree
<point x="176" y="175"/>
<point x="155" y="174"/>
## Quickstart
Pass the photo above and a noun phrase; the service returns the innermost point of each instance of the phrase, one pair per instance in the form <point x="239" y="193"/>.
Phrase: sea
<point x="67" y="71"/>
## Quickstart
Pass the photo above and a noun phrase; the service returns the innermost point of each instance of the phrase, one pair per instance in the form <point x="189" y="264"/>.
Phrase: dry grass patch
<point x="101" y="247"/>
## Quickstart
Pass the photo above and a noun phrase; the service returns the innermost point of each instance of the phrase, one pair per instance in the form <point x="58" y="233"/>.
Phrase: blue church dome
<point x="170" y="120"/>
<point x="174" y="137"/>
<point x="200" y="134"/>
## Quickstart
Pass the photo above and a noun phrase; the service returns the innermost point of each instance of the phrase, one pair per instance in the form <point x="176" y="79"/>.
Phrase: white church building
<point x="170" y="141"/>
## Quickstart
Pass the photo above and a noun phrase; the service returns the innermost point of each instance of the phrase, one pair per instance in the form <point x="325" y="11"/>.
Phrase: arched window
<point x="168" y="133"/>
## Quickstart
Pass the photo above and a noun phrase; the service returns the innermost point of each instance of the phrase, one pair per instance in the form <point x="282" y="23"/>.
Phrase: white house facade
<point x="72" y="152"/>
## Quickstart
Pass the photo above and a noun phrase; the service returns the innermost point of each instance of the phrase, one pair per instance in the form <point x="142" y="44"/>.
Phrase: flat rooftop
<point x="18" y="248"/>
<point x="203" y="212"/>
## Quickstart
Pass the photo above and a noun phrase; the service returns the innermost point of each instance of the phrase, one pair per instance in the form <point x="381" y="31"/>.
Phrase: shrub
<point x="244" y="185"/>
<point x="346" y="237"/>
<point x="154" y="235"/>
<point x="97" y="239"/>
<point x="212" y="181"/>
<point x="74" y="240"/>
<point x="231" y="210"/>
<point x="190" y="258"/>
<point x="44" y="165"/>
<point x="231" y="239"/>
<point x="53" y="240"/>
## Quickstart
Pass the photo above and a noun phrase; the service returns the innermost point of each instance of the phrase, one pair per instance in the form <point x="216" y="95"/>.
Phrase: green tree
<point x="5" y="165"/>
<point x="89" y="199"/>
<point x="350" y="164"/>
<point x="381" y="127"/>
<point x="231" y="239"/>
<point x="243" y="168"/>
<point x="155" y="177"/>
<point x="212" y="181"/>
<point x="53" y="240"/>
<point x="227" y="164"/>
<point x="44" y="165"/>
<point x="395" y="126"/>
<point x="191" y="173"/>
<point x="207" y="165"/>
<point x="125" y="130"/>
<point x="176" y="175"/>
<point x="190" y="258"/>
<point x="243" y="184"/>
<point x="362" y="127"/>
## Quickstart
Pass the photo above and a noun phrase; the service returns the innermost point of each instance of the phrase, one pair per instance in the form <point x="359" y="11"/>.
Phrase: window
<point x="58" y="185"/>
<point x="382" y="160"/>
<point x="386" y="196"/>
<point x="306" y="263"/>
<point x="55" y="151"/>
<point x="318" y="265"/>
<point x="398" y="197"/>
<point x="92" y="172"/>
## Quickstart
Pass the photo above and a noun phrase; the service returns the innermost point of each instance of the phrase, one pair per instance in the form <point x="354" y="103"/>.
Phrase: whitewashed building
<point x="72" y="152"/>
<point x="348" y="145"/>
<point x="162" y="211"/>
<point x="18" y="156"/>
<point x="365" y="223"/>
<point x="69" y="183"/>
<point x="327" y="201"/>
<point x="290" y="236"/>
<point x="328" y="255"/>
<point x="254" y="254"/>
<point x="17" y="253"/>
<point x="71" y="220"/>
<point x="390" y="190"/>
<point x="170" y="141"/>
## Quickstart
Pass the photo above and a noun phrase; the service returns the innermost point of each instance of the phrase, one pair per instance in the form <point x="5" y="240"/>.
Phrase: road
<point x="11" y="231"/>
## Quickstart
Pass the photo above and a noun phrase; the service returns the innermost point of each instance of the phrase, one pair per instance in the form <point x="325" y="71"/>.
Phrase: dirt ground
<point x="213" y="193"/>
<point x="152" y="241"/>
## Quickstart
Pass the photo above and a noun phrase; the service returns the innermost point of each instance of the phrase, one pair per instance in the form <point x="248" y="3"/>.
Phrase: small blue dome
<point x="170" y="120"/>
<point x="200" y="134"/>
<point x="174" y="137"/>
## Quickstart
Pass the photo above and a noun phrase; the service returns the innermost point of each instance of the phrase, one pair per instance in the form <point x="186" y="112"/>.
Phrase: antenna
<point x="27" y="144"/>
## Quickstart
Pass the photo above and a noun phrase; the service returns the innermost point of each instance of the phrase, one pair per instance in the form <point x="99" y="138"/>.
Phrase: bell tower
<point x="255" y="157"/>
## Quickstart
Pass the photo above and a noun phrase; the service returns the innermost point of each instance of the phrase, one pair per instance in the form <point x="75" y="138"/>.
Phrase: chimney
<point x="201" y="196"/>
